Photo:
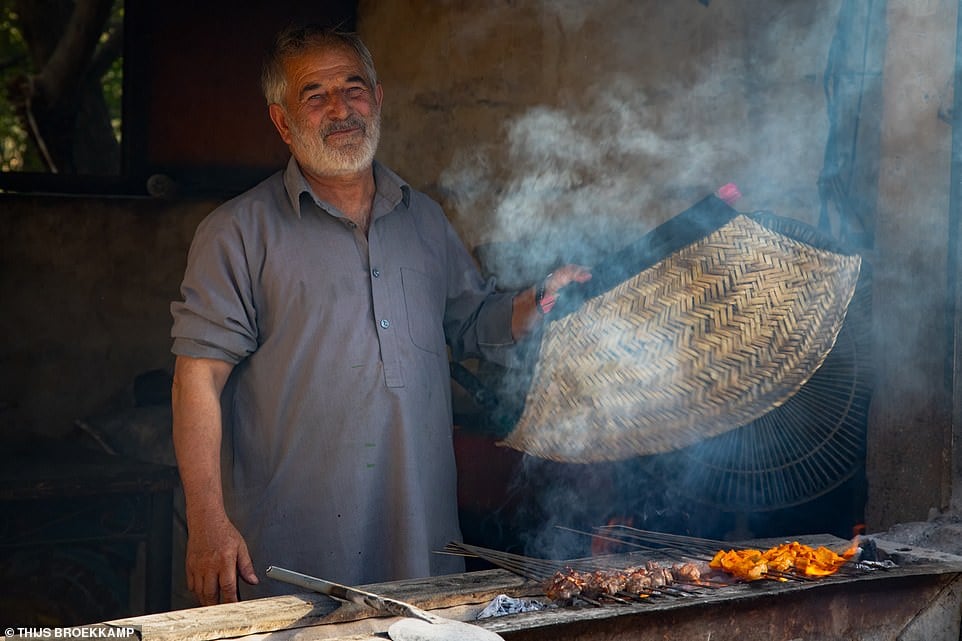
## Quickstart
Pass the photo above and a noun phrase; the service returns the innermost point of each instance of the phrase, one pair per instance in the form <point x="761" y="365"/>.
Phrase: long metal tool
<point x="418" y="624"/>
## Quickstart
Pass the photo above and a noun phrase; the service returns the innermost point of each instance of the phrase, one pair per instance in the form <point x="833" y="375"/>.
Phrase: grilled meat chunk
<point x="565" y="585"/>
<point x="689" y="572"/>
<point x="569" y="583"/>
<point x="638" y="581"/>
<point x="602" y="582"/>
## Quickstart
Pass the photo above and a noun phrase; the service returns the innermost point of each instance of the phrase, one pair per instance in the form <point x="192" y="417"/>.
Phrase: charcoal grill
<point x="919" y="600"/>
<point x="864" y="600"/>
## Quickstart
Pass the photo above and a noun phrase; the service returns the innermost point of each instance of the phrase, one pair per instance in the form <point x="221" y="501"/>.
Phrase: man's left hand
<point x="557" y="280"/>
<point x="534" y="302"/>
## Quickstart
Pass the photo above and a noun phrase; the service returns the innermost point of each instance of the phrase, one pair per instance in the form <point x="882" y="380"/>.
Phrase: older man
<point x="312" y="342"/>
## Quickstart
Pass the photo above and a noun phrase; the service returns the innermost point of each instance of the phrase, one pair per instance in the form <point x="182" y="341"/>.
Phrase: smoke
<point x="561" y="502"/>
<point x="656" y="126"/>
<point x="572" y="183"/>
<point x="597" y="164"/>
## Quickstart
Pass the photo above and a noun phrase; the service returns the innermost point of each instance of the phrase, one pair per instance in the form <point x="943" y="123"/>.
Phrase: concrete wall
<point x="570" y="126"/>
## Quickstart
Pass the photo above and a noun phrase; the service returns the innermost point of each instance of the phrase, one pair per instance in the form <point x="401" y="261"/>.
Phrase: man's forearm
<point x="524" y="313"/>
<point x="216" y="552"/>
<point x="197" y="432"/>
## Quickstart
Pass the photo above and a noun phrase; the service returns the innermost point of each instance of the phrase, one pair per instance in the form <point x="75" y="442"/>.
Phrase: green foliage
<point x="14" y="65"/>
<point x="17" y="150"/>
<point x="113" y="79"/>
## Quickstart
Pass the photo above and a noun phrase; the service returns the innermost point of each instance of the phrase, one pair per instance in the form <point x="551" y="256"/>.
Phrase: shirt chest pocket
<point x="424" y="307"/>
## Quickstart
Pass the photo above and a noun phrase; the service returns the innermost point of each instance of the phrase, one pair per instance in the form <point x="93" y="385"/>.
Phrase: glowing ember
<point x="751" y="565"/>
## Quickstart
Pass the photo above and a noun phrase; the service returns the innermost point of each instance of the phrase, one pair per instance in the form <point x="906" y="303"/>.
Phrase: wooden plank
<point x="456" y="596"/>
<point x="234" y="619"/>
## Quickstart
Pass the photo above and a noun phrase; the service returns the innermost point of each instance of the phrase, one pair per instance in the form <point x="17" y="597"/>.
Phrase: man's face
<point x="331" y="117"/>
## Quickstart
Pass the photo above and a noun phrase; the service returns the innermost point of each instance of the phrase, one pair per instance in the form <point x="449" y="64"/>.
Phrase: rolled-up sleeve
<point x="216" y="318"/>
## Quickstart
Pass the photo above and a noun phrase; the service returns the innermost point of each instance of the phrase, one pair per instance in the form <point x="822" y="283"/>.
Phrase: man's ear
<point x="379" y="94"/>
<point x="279" y="118"/>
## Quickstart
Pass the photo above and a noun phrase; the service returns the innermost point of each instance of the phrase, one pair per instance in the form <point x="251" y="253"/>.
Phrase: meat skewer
<point x="639" y="581"/>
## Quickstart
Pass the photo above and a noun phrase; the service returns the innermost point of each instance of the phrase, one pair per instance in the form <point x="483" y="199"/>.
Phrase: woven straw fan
<point x="711" y="337"/>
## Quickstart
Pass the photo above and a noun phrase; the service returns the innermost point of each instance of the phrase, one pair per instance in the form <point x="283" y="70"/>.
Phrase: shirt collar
<point x="391" y="189"/>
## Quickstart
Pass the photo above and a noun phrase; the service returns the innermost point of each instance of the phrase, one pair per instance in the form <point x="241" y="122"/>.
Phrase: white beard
<point x="322" y="159"/>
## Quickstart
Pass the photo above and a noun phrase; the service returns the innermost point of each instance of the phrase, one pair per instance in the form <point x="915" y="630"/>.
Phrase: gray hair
<point x="295" y="40"/>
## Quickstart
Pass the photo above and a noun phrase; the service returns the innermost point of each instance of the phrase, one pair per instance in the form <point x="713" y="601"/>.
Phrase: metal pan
<point x="417" y="624"/>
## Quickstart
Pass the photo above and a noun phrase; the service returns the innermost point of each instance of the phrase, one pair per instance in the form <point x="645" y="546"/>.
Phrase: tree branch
<point x="64" y="71"/>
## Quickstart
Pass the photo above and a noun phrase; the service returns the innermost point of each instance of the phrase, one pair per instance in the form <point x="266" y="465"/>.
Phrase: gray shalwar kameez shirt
<point x="338" y="425"/>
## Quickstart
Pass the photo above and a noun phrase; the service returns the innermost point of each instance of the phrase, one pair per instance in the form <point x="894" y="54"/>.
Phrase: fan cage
<point x="810" y="445"/>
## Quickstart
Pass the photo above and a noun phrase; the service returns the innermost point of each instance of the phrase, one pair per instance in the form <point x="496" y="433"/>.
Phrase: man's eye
<point x="355" y="92"/>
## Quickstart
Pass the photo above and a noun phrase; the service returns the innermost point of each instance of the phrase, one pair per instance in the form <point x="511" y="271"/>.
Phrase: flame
<point x="852" y="548"/>
<point x="601" y="546"/>
<point x="752" y="564"/>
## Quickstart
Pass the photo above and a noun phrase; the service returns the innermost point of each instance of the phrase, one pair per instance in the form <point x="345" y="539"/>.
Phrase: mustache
<point x="351" y="122"/>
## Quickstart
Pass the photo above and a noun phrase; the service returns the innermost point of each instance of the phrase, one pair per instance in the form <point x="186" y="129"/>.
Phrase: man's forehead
<point x="321" y="67"/>
<point x="332" y="55"/>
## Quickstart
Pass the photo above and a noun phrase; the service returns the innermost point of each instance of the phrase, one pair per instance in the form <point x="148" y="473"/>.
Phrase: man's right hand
<point x="216" y="555"/>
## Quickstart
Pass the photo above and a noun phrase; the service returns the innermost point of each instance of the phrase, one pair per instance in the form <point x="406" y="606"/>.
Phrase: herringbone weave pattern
<point x="710" y="338"/>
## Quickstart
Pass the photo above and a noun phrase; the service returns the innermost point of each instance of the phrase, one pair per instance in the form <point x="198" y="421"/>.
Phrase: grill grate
<point x="645" y="545"/>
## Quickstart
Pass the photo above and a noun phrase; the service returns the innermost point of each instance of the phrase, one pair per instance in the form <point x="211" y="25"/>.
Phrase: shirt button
<point x="376" y="272"/>
<point x="385" y="323"/>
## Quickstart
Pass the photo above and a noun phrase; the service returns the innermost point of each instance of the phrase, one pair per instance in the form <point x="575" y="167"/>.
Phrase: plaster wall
<point x="584" y="125"/>
<point x="910" y="448"/>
